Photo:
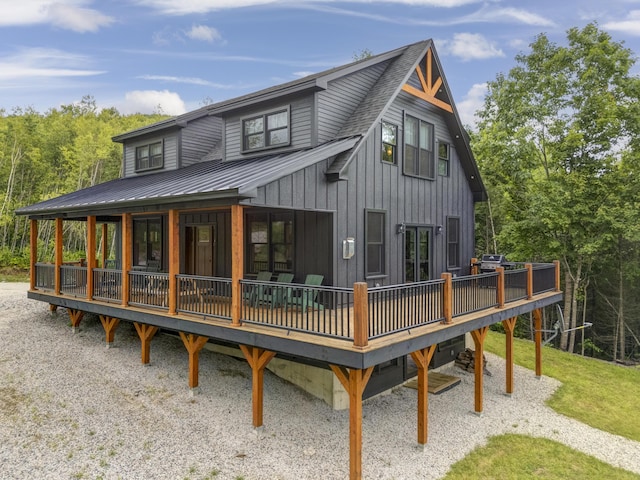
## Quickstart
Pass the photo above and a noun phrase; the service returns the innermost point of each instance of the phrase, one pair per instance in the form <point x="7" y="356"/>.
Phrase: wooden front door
<point x="200" y="250"/>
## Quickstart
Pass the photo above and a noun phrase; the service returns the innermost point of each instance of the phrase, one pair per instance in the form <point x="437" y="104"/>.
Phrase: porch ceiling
<point x="213" y="180"/>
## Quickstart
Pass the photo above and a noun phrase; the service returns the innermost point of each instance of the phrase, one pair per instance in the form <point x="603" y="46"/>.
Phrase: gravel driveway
<point x="70" y="408"/>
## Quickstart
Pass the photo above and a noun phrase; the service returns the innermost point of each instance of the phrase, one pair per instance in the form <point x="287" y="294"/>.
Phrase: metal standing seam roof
<point x="206" y="180"/>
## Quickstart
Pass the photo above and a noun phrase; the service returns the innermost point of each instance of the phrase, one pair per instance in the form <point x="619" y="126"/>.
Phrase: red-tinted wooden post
<point x="447" y="301"/>
<point x="361" y="315"/>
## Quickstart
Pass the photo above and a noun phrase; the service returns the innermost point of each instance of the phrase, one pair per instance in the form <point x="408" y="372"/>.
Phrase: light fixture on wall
<point x="438" y="229"/>
<point x="400" y="228"/>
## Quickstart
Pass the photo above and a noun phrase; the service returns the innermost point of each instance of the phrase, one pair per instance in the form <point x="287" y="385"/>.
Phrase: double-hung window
<point x="375" y="228"/>
<point x="418" y="148"/>
<point x="270" y="242"/>
<point x="389" y="142"/>
<point x="453" y="242"/>
<point x="268" y="130"/>
<point x="444" y="155"/>
<point x="149" y="156"/>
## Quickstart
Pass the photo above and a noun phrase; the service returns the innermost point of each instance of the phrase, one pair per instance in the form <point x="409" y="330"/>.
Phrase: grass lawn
<point x="599" y="394"/>
<point x="520" y="457"/>
<point x="9" y="274"/>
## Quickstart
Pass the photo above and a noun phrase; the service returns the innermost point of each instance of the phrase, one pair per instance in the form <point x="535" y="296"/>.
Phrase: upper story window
<point x="266" y="131"/>
<point x="418" y="148"/>
<point x="149" y="156"/>
<point x="389" y="142"/>
<point x="444" y="156"/>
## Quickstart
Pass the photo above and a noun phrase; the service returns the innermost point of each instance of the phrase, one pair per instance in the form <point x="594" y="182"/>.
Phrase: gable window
<point x="375" y="240"/>
<point x="389" y="142"/>
<point x="418" y="148"/>
<point x="149" y="157"/>
<point x="270" y="242"/>
<point x="266" y="131"/>
<point x="443" y="159"/>
<point x="453" y="242"/>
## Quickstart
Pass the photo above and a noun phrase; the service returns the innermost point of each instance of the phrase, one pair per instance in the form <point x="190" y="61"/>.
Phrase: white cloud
<point x="472" y="102"/>
<point x="204" y="33"/>
<point x="29" y="63"/>
<point x="630" y="26"/>
<point x="152" y="101"/>
<point x="470" y="46"/>
<point x="67" y="14"/>
<point x="189" y="81"/>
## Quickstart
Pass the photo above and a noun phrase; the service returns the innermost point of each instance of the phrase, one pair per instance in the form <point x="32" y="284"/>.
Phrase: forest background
<point x="557" y="143"/>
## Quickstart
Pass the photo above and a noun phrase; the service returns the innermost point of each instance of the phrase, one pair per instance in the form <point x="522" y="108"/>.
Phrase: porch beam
<point x="174" y="262"/>
<point x="127" y="252"/>
<point x="91" y="253"/>
<point x="58" y="256"/>
<point x="258" y="359"/>
<point x="478" y="339"/>
<point x="109" y="324"/>
<point x="33" y="253"/>
<point x="509" y="327"/>
<point x="146" y="333"/>
<point x="422" y="358"/>
<point x="76" y="317"/>
<point x="354" y="382"/>
<point x="537" y="327"/>
<point x="193" y="344"/>
<point x="237" y="262"/>
<point x="105" y="248"/>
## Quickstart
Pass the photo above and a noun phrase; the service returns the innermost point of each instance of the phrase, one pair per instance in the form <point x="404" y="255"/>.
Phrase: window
<point x="453" y="242"/>
<point x="270" y="242"/>
<point x="418" y="148"/>
<point x="147" y="241"/>
<point x="266" y="131"/>
<point x="149" y="156"/>
<point x="389" y="142"/>
<point x="375" y="229"/>
<point x="443" y="159"/>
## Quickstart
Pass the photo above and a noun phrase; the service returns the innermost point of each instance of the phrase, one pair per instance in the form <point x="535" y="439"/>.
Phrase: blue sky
<point x="139" y="55"/>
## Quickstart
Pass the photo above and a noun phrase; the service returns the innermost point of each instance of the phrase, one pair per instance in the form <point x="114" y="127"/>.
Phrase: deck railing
<point x="515" y="284"/>
<point x="73" y="280"/>
<point x="474" y="293"/>
<point x="206" y="296"/>
<point x="149" y="289"/>
<point x="45" y="276"/>
<point x="321" y="310"/>
<point x="107" y="285"/>
<point x="544" y="278"/>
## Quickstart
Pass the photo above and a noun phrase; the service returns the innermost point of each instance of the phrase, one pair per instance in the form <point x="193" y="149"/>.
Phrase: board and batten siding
<point x="198" y="138"/>
<point x="342" y="97"/>
<point x="301" y="127"/>
<point x="170" y="154"/>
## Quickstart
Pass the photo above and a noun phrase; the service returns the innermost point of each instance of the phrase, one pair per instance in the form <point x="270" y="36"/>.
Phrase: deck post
<point x="447" y="301"/>
<point x="500" y="288"/>
<point x="529" y="268"/>
<point x="422" y="358"/>
<point x="557" y="281"/>
<point x="105" y="248"/>
<point x="127" y="252"/>
<point x="146" y="333"/>
<point x="33" y="253"/>
<point x="91" y="253"/>
<point x="354" y="382"/>
<point x="174" y="262"/>
<point x="537" y="326"/>
<point x="237" y="262"/>
<point x="258" y="359"/>
<point x="509" y="327"/>
<point x="193" y="344"/>
<point x="361" y="315"/>
<point x="474" y="267"/>
<point x="478" y="339"/>
<point x="76" y="317"/>
<point x="58" y="256"/>
<point x="109" y="324"/>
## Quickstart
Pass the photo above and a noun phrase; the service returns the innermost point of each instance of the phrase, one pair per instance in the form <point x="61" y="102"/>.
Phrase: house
<point x="360" y="176"/>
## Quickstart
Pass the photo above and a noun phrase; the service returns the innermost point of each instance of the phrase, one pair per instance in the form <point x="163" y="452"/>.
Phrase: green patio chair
<point x="276" y="297"/>
<point x="255" y="293"/>
<point x="306" y="297"/>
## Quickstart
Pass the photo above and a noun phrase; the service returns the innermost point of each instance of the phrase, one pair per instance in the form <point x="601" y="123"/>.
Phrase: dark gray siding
<point x="170" y="149"/>
<point x="339" y="101"/>
<point x="301" y="122"/>
<point x="222" y="222"/>
<point x="198" y="138"/>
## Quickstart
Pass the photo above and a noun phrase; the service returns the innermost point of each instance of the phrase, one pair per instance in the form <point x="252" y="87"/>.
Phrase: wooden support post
<point x="105" y="247"/>
<point x="146" y="333"/>
<point x="174" y="261"/>
<point x="557" y="264"/>
<point x="91" y="253"/>
<point x="422" y="358"/>
<point x="354" y="382"/>
<point x="76" y="317"/>
<point x="258" y="359"/>
<point x="509" y="327"/>
<point x="33" y="253"/>
<point x="537" y="326"/>
<point x="447" y="301"/>
<point x="53" y="308"/>
<point x="500" y="288"/>
<point x="58" y="256"/>
<point x="193" y="344"/>
<point x="127" y="252"/>
<point x="237" y="262"/>
<point x="529" y="268"/>
<point x="361" y="315"/>
<point x="109" y="324"/>
<point x="478" y="339"/>
<point x="474" y="267"/>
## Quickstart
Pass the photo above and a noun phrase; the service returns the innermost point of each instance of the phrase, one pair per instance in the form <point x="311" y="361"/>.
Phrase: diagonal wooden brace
<point x="258" y="359"/>
<point x="109" y="324"/>
<point x="146" y="333"/>
<point x="193" y="344"/>
<point x="422" y="358"/>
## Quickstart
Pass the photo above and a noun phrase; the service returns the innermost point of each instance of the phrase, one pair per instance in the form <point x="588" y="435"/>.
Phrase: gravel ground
<point x="70" y="408"/>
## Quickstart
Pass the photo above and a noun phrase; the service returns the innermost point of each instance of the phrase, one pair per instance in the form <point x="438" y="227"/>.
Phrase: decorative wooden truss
<point x="429" y="86"/>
